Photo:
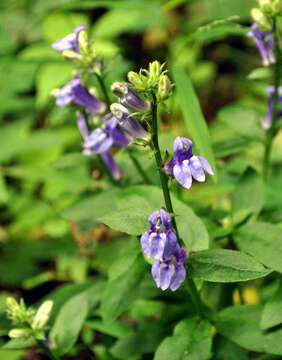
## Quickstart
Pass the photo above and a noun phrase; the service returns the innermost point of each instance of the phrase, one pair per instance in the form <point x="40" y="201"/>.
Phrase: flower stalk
<point x="46" y="350"/>
<point x="272" y="130"/>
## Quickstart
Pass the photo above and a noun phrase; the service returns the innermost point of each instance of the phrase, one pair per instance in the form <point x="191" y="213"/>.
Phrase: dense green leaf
<point x="220" y="265"/>
<point x="263" y="241"/>
<point x="116" y="329"/>
<point x="241" y="325"/>
<point x="20" y="343"/>
<point x="247" y="199"/>
<point x="260" y="74"/>
<point x="272" y="312"/>
<point x="192" y="114"/>
<point x="68" y="323"/>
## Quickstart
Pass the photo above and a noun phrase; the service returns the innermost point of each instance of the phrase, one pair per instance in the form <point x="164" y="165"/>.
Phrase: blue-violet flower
<point x="110" y="137"/>
<point x="160" y="241"/>
<point x="127" y="122"/>
<point x="264" y="43"/>
<point x="75" y="92"/>
<point x="129" y="98"/>
<point x="170" y="272"/>
<point x="184" y="165"/>
<point x="69" y="42"/>
<point x="266" y="123"/>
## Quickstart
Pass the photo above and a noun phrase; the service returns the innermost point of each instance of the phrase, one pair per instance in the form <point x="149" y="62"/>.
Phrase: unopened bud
<point x="119" y="89"/>
<point x="42" y="315"/>
<point x="18" y="333"/>
<point x="72" y="55"/>
<point x="270" y="6"/>
<point x="11" y="303"/>
<point x="259" y="18"/>
<point x="83" y="41"/>
<point x="155" y="68"/>
<point x="134" y="78"/>
<point x="164" y="87"/>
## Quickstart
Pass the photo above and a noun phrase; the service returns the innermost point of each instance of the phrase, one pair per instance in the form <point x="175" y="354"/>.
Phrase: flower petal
<point x="166" y="273"/>
<point x="197" y="169"/>
<point x="178" y="277"/>
<point x="182" y="174"/>
<point x="206" y="165"/>
<point x="99" y="141"/>
<point x="111" y="164"/>
<point x="145" y="244"/>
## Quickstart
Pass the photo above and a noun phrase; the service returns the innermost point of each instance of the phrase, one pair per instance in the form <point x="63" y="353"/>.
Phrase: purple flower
<point x="127" y="122"/>
<point x="170" y="272"/>
<point x="69" y="42"/>
<point x="266" y="124"/>
<point x="75" y="92"/>
<point x="264" y="43"/>
<point x="160" y="241"/>
<point x="101" y="140"/>
<point x="184" y="165"/>
<point x="129" y="98"/>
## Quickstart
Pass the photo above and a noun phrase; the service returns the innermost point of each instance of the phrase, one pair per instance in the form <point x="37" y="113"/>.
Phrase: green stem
<point x="160" y="164"/>
<point x="272" y="130"/>
<point x="164" y="183"/>
<point x="138" y="167"/>
<point x="103" y="88"/>
<point x="46" y="350"/>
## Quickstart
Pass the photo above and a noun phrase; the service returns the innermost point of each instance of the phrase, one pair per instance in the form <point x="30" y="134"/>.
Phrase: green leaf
<point x="115" y="23"/>
<point x="21" y="343"/>
<point x="260" y="74"/>
<point x="191" y="339"/>
<point x="125" y="276"/>
<point x="263" y="241"/>
<point x="220" y="265"/>
<point x="132" y="220"/>
<point x="68" y="323"/>
<point x="227" y="350"/>
<point x="192" y="114"/>
<point x="272" y="312"/>
<point x="115" y="208"/>
<point x="240" y="324"/>
<point x="218" y="30"/>
<point x="248" y="197"/>
<point x="243" y="120"/>
<point x="116" y="329"/>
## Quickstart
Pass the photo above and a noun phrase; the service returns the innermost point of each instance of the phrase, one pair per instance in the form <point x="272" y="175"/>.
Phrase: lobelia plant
<point x="185" y="285"/>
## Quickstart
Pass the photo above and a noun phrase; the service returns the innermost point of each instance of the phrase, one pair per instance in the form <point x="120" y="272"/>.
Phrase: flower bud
<point x="155" y="69"/>
<point x="42" y="315"/>
<point x="134" y="78"/>
<point x="129" y="98"/>
<point x="259" y="18"/>
<point x="164" y="87"/>
<point x="18" y="333"/>
<point x="11" y="303"/>
<point x="72" y="55"/>
<point x="83" y="41"/>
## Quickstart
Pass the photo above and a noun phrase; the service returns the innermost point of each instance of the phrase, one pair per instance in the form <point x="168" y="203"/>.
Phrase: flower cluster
<point x="184" y="165"/>
<point x="267" y="122"/>
<point x="154" y="79"/>
<point x="161" y="244"/>
<point x="32" y="323"/>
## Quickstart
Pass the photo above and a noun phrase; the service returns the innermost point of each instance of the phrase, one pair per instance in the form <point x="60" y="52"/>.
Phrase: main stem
<point x="160" y="164"/>
<point x="103" y="88"/>
<point x="46" y="350"/>
<point x="272" y="130"/>
<point x="164" y="182"/>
